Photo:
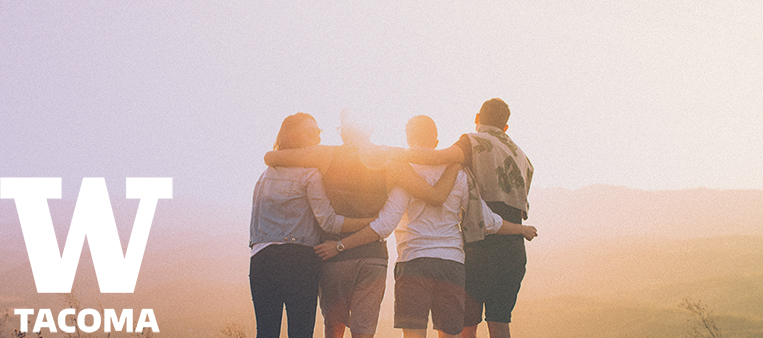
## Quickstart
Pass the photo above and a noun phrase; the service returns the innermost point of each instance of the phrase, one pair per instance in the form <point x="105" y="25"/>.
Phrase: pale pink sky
<point x="655" y="95"/>
<point x="649" y="95"/>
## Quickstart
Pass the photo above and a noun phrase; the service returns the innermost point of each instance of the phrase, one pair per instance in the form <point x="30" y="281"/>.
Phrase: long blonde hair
<point x="289" y="134"/>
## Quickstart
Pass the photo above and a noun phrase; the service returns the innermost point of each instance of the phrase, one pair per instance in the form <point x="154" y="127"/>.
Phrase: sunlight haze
<point x="643" y="121"/>
<point x="642" y="94"/>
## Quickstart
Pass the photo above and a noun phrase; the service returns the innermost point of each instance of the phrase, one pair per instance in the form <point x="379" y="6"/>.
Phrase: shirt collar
<point x="483" y="128"/>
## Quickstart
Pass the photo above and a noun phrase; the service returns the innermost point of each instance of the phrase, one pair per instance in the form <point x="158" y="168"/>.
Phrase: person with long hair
<point x="290" y="211"/>
<point x="430" y="270"/>
<point x="357" y="176"/>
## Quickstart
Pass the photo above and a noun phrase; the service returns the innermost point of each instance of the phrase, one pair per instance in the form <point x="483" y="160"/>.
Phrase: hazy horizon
<point x="647" y="95"/>
<point x="595" y="262"/>
<point x="658" y="105"/>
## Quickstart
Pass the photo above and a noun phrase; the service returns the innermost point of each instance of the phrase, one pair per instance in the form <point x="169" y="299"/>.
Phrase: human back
<point x="429" y="272"/>
<point x="355" y="190"/>
<point x="495" y="263"/>
<point x="426" y="230"/>
<point x="289" y="209"/>
<point x="280" y="205"/>
<point x="429" y="231"/>
<point x="500" y="167"/>
<point x="503" y="174"/>
<point x="288" y="214"/>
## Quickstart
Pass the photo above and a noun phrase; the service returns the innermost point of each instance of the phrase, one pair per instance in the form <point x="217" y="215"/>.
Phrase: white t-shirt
<point x="425" y="230"/>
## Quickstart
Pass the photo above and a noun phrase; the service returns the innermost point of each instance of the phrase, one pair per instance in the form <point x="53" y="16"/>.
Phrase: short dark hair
<point x="494" y="112"/>
<point x="422" y="130"/>
<point x="289" y="134"/>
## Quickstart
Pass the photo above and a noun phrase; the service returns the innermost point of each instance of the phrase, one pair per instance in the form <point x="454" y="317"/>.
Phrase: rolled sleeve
<point x="493" y="221"/>
<point x="324" y="213"/>
<point x="391" y="213"/>
<point x="466" y="147"/>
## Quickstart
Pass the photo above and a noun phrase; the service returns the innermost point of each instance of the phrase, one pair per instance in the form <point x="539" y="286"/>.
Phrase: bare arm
<point x="402" y="175"/>
<point x="509" y="228"/>
<point x="494" y="224"/>
<point x="318" y="156"/>
<point x="324" y="213"/>
<point x="452" y="154"/>
<point x="355" y="224"/>
<point x="389" y="217"/>
<point x="328" y="249"/>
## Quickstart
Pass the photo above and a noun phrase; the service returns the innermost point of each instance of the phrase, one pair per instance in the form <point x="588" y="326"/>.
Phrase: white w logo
<point x="93" y="218"/>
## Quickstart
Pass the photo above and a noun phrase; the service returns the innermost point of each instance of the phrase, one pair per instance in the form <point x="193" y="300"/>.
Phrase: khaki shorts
<point x="430" y="284"/>
<point x="351" y="293"/>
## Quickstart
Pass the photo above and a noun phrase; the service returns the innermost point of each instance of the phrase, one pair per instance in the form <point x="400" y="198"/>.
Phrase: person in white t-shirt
<point x="429" y="273"/>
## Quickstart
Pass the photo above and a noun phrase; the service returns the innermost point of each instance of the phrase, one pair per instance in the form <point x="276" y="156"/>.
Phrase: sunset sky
<point x="646" y="94"/>
<point x="650" y="95"/>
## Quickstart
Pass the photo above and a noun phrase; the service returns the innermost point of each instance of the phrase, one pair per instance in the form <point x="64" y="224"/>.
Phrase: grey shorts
<point x="430" y="284"/>
<point x="351" y="293"/>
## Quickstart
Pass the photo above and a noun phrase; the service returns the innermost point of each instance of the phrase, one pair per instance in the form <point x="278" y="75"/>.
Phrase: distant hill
<point x="564" y="217"/>
<point x="609" y="262"/>
<point x="631" y="287"/>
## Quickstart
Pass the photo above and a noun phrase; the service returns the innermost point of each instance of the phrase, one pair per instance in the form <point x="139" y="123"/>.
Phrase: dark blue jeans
<point x="285" y="274"/>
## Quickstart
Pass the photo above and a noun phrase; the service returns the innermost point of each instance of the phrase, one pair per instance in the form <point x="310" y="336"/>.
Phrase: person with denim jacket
<point x="290" y="211"/>
<point x="357" y="176"/>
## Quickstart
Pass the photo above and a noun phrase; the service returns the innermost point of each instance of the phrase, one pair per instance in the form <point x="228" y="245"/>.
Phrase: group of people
<point x="320" y="215"/>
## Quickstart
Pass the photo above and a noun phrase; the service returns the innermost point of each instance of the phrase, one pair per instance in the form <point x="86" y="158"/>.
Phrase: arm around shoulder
<point x="402" y="175"/>
<point x="380" y="228"/>
<point x="355" y="224"/>
<point x="452" y="154"/>
<point x="317" y="156"/>
<point x="329" y="249"/>
<point x="509" y="228"/>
